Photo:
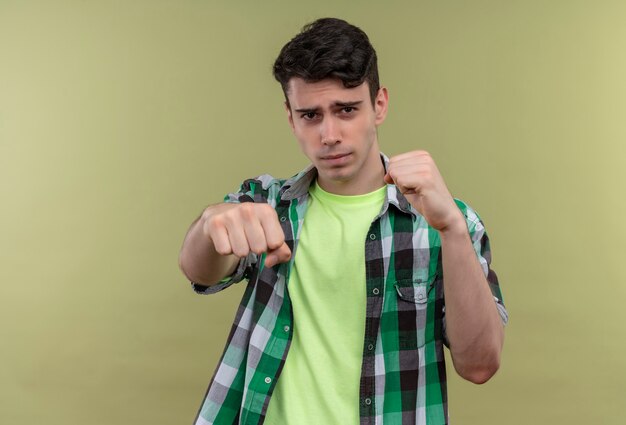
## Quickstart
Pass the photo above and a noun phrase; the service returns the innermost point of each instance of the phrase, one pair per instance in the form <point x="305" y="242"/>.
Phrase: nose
<point x="329" y="130"/>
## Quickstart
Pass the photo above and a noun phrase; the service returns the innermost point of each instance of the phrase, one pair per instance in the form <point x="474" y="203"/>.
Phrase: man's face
<point x="336" y="129"/>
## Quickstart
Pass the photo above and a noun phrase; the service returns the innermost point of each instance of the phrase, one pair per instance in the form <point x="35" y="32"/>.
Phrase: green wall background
<point x="117" y="120"/>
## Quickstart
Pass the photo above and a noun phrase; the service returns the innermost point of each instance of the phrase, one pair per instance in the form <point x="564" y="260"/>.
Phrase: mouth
<point x="337" y="160"/>
<point x="337" y="156"/>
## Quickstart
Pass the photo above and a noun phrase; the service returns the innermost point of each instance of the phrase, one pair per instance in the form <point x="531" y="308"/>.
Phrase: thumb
<point x="388" y="179"/>
<point x="282" y="254"/>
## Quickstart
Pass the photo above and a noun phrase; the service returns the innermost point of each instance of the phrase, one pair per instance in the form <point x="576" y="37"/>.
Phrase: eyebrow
<point x="335" y="104"/>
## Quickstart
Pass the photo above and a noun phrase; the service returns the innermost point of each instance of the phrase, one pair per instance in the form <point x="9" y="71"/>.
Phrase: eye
<point x="347" y="111"/>
<point x="309" y="116"/>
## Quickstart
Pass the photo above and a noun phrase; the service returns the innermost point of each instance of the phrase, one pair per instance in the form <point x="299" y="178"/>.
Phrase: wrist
<point x="455" y="228"/>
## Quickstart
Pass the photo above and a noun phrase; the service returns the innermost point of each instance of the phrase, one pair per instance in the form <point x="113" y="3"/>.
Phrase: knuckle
<point x="211" y="228"/>
<point x="426" y="175"/>
<point x="213" y="221"/>
<point x="277" y="240"/>
<point x="223" y="250"/>
<point x="241" y="252"/>
<point x="259" y="248"/>
<point x="247" y="210"/>
<point x="267" y="211"/>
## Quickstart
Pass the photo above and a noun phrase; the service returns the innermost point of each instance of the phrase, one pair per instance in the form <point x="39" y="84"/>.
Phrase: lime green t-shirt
<point x="319" y="383"/>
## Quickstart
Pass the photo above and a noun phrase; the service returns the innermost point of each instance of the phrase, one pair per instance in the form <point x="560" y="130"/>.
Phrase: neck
<point x="372" y="178"/>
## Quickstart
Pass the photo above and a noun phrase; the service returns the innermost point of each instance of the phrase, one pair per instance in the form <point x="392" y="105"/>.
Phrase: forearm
<point x="199" y="260"/>
<point x="473" y="325"/>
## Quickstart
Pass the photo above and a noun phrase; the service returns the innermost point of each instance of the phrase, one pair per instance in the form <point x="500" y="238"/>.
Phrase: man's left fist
<point x="418" y="179"/>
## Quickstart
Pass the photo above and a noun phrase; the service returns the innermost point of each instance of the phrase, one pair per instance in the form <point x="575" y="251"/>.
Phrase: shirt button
<point x="283" y="219"/>
<point x="372" y="236"/>
<point x="268" y="380"/>
<point x="370" y="347"/>
<point x="286" y="328"/>
<point x="420" y="296"/>
<point x="368" y="401"/>
<point x="375" y="291"/>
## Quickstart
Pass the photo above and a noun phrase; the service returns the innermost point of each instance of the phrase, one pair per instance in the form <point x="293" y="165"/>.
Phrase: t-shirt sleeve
<point x="260" y="190"/>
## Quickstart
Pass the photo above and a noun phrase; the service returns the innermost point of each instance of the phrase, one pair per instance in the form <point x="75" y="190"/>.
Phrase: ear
<point x="380" y="105"/>
<point x="289" y="116"/>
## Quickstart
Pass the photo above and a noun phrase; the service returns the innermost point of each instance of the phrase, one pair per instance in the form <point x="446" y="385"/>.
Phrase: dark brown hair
<point x="329" y="48"/>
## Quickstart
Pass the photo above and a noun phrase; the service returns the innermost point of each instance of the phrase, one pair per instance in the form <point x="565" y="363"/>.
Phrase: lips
<point x="336" y="160"/>
<point x="336" y="156"/>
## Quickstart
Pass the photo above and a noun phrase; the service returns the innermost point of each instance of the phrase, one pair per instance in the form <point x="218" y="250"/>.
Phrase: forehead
<point x="302" y="93"/>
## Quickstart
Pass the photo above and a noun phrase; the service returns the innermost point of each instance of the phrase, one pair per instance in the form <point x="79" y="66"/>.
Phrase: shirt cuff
<point x="236" y="277"/>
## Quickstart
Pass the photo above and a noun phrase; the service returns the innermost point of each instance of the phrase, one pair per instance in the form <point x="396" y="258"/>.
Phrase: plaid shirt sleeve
<point x="481" y="244"/>
<point x="260" y="190"/>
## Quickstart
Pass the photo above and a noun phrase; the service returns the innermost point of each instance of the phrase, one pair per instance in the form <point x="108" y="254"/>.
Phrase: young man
<point x="360" y="268"/>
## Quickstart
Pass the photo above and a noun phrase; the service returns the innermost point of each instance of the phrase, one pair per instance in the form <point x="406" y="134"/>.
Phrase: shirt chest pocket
<point x="417" y="291"/>
<point x="417" y="300"/>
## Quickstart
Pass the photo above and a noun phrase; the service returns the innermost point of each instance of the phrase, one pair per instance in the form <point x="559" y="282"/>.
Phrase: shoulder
<point x="264" y="182"/>
<point x="263" y="188"/>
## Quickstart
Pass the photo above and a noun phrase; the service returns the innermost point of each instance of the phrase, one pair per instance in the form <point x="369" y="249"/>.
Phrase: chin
<point x="339" y="176"/>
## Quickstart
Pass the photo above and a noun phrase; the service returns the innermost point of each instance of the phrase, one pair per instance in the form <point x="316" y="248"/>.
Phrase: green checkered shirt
<point x="403" y="375"/>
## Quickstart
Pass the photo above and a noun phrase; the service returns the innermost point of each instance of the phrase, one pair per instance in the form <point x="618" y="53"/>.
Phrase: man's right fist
<point x="247" y="227"/>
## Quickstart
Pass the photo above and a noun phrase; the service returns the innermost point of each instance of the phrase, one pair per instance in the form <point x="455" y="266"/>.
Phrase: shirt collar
<point x="298" y="186"/>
